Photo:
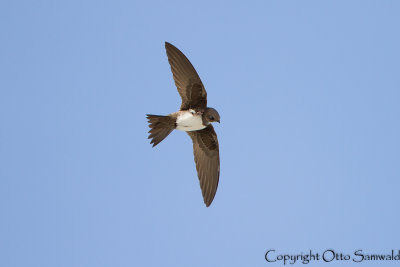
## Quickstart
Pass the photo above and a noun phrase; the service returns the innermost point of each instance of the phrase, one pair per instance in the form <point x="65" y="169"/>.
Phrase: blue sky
<point x="308" y="93"/>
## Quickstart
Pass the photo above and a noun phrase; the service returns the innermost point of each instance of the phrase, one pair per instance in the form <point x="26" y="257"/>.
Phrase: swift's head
<point x="211" y="115"/>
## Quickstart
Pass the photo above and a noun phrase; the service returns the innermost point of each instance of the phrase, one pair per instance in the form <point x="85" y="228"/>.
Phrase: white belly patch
<point x="188" y="121"/>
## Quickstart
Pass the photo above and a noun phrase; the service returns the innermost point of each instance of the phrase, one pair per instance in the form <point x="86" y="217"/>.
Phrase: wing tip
<point x="208" y="200"/>
<point x="172" y="49"/>
<point x="167" y="44"/>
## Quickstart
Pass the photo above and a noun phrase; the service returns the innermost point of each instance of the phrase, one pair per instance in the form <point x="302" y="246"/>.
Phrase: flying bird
<point x="195" y="118"/>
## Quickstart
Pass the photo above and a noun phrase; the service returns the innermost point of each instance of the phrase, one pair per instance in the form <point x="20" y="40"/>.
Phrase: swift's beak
<point x="218" y="121"/>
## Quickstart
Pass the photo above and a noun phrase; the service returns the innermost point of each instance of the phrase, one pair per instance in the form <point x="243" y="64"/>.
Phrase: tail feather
<point x="160" y="127"/>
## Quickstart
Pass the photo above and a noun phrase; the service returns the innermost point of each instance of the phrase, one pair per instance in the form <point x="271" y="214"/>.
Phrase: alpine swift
<point x="195" y="118"/>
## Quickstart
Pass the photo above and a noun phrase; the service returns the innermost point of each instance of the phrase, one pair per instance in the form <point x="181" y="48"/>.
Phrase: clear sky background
<point x="308" y="93"/>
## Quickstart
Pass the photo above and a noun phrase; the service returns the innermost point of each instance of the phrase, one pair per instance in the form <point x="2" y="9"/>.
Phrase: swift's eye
<point x="211" y="118"/>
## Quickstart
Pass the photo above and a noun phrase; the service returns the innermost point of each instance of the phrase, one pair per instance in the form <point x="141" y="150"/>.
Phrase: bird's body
<point x="195" y="118"/>
<point x="189" y="120"/>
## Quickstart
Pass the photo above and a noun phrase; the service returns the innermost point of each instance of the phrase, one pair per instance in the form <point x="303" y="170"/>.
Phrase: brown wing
<point x="206" y="156"/>
<point x="187" y="80"/>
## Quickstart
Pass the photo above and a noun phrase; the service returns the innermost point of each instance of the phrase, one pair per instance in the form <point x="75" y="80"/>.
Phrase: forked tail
<point x="160" y="127"/>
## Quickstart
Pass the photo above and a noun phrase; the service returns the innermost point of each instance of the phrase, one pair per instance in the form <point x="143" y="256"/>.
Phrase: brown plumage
<point x="195" y="118"/>
<point x="186" y="79"/>
<point x="160" y="127"/>
<point x="206" y="156"/>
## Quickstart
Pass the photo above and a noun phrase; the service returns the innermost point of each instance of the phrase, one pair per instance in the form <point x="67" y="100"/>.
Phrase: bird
<point x="193" y="117"/>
